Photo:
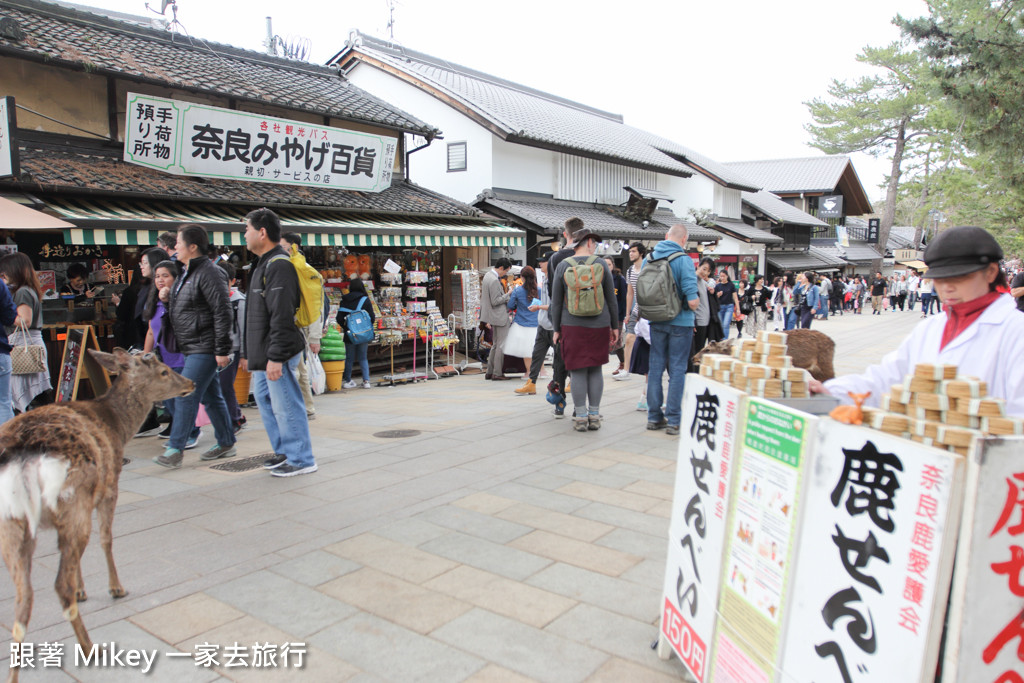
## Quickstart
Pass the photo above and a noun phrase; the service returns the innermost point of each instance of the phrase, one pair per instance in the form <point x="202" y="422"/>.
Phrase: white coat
<point x="992" y="349"/>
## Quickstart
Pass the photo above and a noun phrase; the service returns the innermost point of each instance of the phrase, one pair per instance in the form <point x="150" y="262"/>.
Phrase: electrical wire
<point x="50" y="118"/>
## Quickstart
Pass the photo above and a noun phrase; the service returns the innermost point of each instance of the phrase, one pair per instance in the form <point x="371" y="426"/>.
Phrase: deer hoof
<point x="80" y="595"/>
<point x="118" y="592"/>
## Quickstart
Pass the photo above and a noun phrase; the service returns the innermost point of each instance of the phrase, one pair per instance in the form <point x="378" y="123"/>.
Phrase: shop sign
<point x="48" y="252"/>
<point x="986" y="636"/>
<point x="830" y="206"/>
<point x="876" y="549"/>
<point x="711" y="414"/>
<point x="184" y="138"/>
<point x="8" y="148"/>
<point x="757" y="575"/>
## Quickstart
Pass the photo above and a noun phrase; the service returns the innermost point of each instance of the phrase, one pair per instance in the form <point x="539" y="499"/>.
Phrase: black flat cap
<point x="583" y="234"/>
<point x="545" y="256"/>
<point x="960" y="251"/>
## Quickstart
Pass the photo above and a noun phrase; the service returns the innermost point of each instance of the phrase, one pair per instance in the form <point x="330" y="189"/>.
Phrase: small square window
<point x="456" y="156"/>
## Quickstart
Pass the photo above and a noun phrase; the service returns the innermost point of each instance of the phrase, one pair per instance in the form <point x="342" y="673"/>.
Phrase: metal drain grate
<point x="242" y="465"/>
<point x="397" y="434"/>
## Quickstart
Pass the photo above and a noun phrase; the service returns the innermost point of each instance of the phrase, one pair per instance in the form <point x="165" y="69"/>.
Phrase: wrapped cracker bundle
<point x="956" y="436"/>
<point x="793" y="374"/>
<point x="893" y="406"/>
<point x="932" y="401"/>
<point x="935" y="371"/>
<point x="924" y="414"/>
<point x="1002" y="426"/>
<point x="958" y="419"/>
<point x="920" y="385"/>
<point x="982" y="407"/>
<point x="890" y="423"/>
<point x="964" y="387"/>
<point x="777" y="361"/>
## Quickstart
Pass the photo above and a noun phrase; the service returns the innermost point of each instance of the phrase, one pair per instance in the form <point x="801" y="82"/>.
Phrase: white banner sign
<point x="986" y="632"/>
<point x="876" y="547"/>
<point x="711" y="413"/>
<point x="190" y="139"/>
<point x="8" y="150"/>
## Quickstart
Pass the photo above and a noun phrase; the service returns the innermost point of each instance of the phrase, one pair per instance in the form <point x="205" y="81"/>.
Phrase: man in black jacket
<point x="273" y="347"/>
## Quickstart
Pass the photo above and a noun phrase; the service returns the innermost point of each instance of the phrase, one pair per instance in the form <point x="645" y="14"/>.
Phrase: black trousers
<point x="541" y="345"/>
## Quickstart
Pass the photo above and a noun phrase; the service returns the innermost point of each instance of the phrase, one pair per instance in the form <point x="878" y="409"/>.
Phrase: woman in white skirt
<point x="17" y="271"/>
<point x="523" y="333"/>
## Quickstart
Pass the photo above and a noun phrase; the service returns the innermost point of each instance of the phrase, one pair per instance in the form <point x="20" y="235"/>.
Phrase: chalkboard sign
<point x="79" y="338"/>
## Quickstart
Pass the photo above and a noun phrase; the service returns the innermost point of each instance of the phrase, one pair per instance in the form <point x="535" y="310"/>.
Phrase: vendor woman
<point x="979" y="330"/>
<point x="78" y="281"/>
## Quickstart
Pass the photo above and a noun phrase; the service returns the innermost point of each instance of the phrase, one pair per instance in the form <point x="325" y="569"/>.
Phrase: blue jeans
<point x="6" y="411"/>
<point x="926" y="303"/>
<point x="353" y="353"/>
<point x="670" y="350"/>
<point x="792" y="318"/>
<point x="725" y="317"/>
<point x="169" y="406"/>
<point x="201" y="368"/>
<point x="284" y="413"/>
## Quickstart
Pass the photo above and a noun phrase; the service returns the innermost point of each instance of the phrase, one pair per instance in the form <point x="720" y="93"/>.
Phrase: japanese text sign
<point x="986" y="631"/>
<point x="191" y="139"/>
<point x="711" y="414"/>
<point x="8" y="148"/>
<point x="876" y="548"/>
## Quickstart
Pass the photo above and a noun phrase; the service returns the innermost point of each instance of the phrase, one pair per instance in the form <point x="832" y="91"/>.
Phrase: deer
<point x="851" y="415"/>
<point x="60" y="462"/>
<point x="810" y="349"/>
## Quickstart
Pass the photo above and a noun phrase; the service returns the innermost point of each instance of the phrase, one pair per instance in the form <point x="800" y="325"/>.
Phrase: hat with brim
<point x="961" y="251"/>
<point x="584" y="234"/>
<point x="545" y="256"/>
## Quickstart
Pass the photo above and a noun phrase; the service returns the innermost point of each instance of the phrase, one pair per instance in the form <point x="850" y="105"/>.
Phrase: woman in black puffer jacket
<point x="200" y="315"/>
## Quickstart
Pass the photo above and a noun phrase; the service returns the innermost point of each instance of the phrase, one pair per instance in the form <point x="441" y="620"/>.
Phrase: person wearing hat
<point x="585" y="336"/>
<point x="979" y="330"/>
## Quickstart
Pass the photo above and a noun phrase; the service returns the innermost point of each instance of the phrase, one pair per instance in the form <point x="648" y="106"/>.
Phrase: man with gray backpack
<point x="666" y="290"/>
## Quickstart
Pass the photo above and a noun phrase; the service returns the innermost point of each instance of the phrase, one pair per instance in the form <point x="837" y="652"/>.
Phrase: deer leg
<point x="80" y="595"/>
<point x="17" y="546"/>
<point x="72" y="537"/>
<point x="105" y="511"/>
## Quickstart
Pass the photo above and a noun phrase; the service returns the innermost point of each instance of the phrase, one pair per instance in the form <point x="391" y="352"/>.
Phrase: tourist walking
<point x="728" y="301"/>
<point x="522" y="333"/>
<point x="621" y="294"/>
<point x="8" y="314"/>
<point x="494" y="314"/>
<point x="356" y="299"/>
<point x="544" y="339"/>
<point x="760" y="296"/>
<point x="19" y="275"/>
<point x="636" y="259"/>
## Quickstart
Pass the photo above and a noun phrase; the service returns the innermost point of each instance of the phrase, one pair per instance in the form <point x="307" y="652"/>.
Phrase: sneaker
<point x="622" y="375"/>
<point x="580" y="423"/>
<point x="171" y="458"/>
<point x="290" y="470"/>
<point x="641" y="407"/>
<point x="351" y="384"/>
<point x="672" y="430"/>
<point x="275" y="461"/>
<point x="218" y="452"/>
<point x="193" y="441"/>
<point x="366" y="384"/>
<point x="310" y="416"/>
<point x="660" y="424"/>
<point x="150" y="427"/>
<point x="560" y="411"/>
<point x="593" y="422"/>
<point x="166" y="434"/>
<point x="240" y="424"/>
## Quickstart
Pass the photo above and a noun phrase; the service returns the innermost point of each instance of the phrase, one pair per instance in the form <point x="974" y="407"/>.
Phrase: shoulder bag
<point x="27" y="359"/>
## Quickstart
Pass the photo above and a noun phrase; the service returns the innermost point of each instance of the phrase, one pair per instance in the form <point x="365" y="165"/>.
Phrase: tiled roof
<point x="810" y="174"/>
<point x="778" y="210"/>
<point x="900" y="237"/>
<point x="86" y="170"/>
<point x="747" y="233"/>
<point x="527" y="116"/>
<point x="99" y="43"/>
<point x="549" y="216"/>
<point x="859" y="253"/>
<point x="812" y="259"/>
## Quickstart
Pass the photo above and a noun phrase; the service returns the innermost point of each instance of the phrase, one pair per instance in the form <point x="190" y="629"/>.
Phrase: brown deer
<point x="60" y="462"/>
<point x="811" y="350"/>
<point x="851" y="415"/>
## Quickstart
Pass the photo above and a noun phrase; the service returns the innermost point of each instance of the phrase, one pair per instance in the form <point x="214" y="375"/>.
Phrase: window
<point x="456" y="156"/>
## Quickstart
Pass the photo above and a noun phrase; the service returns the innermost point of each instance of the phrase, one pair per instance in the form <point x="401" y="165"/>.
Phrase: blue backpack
<point x="358" y="328"/>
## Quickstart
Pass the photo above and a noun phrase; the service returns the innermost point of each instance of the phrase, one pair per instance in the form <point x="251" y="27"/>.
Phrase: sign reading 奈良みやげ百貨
<point x="185" y="138"/>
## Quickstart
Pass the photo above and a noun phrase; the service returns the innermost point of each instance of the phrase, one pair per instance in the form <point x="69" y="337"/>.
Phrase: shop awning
<point x="110" y="221"/>
<point x="15" y="216"/>
<point x="916" y="265"/>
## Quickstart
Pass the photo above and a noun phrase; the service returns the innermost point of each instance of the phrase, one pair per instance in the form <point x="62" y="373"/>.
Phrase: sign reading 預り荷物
<point x="8" y="150"/>
<point x="191" y="139"/>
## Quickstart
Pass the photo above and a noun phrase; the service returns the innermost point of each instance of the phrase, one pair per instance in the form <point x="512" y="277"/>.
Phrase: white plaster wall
<point x="429" y="166"/>
<point x="518" y="167"/>
<point x="728" y="202"/>
<point x="695" y="192"/>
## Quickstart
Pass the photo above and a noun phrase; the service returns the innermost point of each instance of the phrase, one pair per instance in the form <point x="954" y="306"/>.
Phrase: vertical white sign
<point x="710" y="422"/>
<point x="876" y="548"/>
<point x="8" y="148"/>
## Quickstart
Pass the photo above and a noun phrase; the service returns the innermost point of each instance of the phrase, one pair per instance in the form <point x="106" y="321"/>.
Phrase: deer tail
<point x="31" y="486"/>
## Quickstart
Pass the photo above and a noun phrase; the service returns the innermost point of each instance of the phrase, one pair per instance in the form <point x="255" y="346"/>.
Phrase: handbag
<point x="27" y="359"/>
<point x="317" y="375"/>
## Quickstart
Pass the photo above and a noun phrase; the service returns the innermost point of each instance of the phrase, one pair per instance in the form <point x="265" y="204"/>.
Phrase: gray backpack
<point x="656" y="290"/>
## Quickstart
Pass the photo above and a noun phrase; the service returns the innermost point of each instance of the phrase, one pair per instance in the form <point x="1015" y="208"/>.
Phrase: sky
<point x="726" y="78"/>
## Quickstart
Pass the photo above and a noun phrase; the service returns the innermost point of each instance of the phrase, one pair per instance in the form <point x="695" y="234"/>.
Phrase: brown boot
<point x="527" y="389"/>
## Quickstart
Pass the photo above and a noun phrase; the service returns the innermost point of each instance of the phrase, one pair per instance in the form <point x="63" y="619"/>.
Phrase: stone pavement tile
<point x="352" y="484"/>
<point x="156" y="486"/>
<point x="411" y="531"/>
<point x="531" y="606"/>
<point x="577" y="553"/>
<point x="617" y="670"/>
<point x="240" y="547"/>
<point x="662" y="509"/>
<point x="636" y="543"/>
<point x="392" y="558"/>
<point x="126" y="498"/>
<point x="492" y="673"/>
<point x="652" y="489"/>
<point x="314" y="568"/>
<point x="504" y="463"/>
<point x="393" y="653"/>
<point x="237" y="517"/>
<point x="641" y="473"/>
<point x="627" y="519"/>
<point x="48" y="674"/>
<point x="639" y="601"/>
<point x="542" y="481"/>
<point x="556" y="522"/>
<point x="438" y="483"/>
<point x="475" y="524"/>
<point x="139" y="578"/>
<point x="482" y="432"/>
<point x="413" y="448"/>
<point x="406" y="604"/>
<point x="535" y="653"/>
<point x="592" y="461"/>
<point x="369" y="506"/>
<point x="149" y="542"/>
<point x="613" y="633"/>
<point x="317" y="665"/>
<point x="430" y="463"/>
<point x="186" y="618"/>
<point x="610" y="496"/>
<point x="631" y="458"/>
<point x="355" y="463"/>
<point x="541" y="497"/>
<point x="282" y="603"/>
<point x="129" y="636"/>
<point x="585" y="475"/>
<point x="491" y="557"/>
<point x="484" y="503"/>
<point x="647" y="573"/>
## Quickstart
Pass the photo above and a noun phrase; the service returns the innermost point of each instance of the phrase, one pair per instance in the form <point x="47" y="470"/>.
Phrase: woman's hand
<point x="816" y="387"/>
<point x="165" y="294"/>
<point x="116" y="298"/>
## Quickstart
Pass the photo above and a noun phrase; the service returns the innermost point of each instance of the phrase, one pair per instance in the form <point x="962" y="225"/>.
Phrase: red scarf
<point x="962" y="316"/>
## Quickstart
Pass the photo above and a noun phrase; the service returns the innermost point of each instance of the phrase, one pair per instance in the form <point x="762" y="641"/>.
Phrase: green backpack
<point x="584" y="290"/>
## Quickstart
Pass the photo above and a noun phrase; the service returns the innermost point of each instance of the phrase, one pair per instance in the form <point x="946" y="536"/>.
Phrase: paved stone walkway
<point x="498" y="545"/>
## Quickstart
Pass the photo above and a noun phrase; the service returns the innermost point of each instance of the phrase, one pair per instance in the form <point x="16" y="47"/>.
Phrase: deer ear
<point x="115" y="362"/>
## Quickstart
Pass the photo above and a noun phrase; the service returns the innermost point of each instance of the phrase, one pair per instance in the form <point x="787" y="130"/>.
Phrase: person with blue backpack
<point x="355" y="316"/>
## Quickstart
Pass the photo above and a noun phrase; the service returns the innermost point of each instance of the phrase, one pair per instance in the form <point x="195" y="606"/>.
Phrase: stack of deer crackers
<point x="760" y="367"/>
<point x="937" y="407"/>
